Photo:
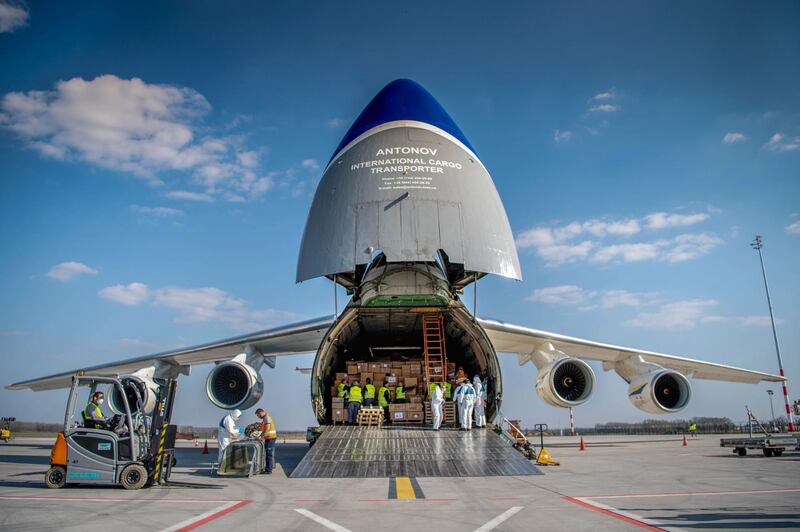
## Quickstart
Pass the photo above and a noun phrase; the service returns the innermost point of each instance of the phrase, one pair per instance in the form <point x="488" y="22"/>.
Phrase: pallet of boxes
<point x="449" y="407"/>
<point x="338" y="408"/>
<point x="410" y="375"/>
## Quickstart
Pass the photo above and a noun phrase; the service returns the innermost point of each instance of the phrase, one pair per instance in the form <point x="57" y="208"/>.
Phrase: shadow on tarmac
<point x="716" y="519"/>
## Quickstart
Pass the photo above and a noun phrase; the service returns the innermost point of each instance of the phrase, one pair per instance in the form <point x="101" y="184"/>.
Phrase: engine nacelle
<point x="138" y="387"/>
<point x="565" y="382"/>
<point x="234" y="384"/>
<point x="660" y="391"/>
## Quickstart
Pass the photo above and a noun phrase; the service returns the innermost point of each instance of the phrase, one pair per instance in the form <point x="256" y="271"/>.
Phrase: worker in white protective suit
<point x="437" y="401"/>
<point x="480" y="402"/>
<point x="465" y="398"/>
<point x="227" y="432"/>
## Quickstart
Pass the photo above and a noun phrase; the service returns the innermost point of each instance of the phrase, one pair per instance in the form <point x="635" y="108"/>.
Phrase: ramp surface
<point x="361" y="452"/>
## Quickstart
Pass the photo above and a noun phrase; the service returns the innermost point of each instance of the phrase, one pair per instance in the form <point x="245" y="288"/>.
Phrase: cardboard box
<point x="385" y="366"/>
<point x="413" y="370"/>
<point x="340" y="376"/>
<point x="392" y="379"/>
<point x="415" y="399"/>
<point x="413" y="407"/>
<point x="416" y="416"/>
<point x="361" y="367"/>
<point x="352" y="368"/>
<point x="337" y="402"/>
<point x="397" y="415"/>
<point x="410" y="382"/>
<point x="339" y="414"/>
<point x="374" y="366"/>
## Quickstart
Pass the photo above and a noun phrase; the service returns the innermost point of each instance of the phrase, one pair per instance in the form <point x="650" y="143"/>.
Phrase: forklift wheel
<point x="741" y="451"/>
<point x="767" y="452"/>
<point x="56" y="477"/>
<point x="133" y="477"/>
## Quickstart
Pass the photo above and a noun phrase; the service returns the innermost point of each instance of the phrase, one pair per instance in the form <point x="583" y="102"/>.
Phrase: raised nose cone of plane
<point x="405" y="182"/>
<point x="402" y="99"/>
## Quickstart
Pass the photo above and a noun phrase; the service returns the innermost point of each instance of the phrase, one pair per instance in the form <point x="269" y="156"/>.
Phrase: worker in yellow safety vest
<point x="448" y="390"/>
<point x="354" y="402"/>
<point x="369" y="393"/>
<point x="399" y="394"/>
<point x="93" y="417"/>
<point x="384" y="398"/>
<point x="270" y="435"/>
<point x="342" y="391"/>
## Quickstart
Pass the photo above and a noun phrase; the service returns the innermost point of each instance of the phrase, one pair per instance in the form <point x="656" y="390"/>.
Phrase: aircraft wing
<point x="509" y="338"/>
<point x="289" y="339"/>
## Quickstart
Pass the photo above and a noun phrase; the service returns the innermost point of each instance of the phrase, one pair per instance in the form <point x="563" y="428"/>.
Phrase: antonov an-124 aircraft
<point x="404" y="218"/>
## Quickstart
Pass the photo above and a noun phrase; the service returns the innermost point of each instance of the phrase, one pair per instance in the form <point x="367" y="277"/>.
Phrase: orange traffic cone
<point x="205" y="448"/>
<point x="583" y="445"/>
<point x="685" y="443"/>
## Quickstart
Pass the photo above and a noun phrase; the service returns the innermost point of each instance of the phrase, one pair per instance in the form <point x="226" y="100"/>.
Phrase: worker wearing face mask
<point x="93" y="417"/>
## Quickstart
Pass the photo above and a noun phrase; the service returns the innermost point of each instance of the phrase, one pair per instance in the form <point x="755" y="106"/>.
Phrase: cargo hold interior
<point x="395" y="334"/>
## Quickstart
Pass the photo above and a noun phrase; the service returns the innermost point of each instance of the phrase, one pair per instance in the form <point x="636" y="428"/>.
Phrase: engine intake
<point x="566" y="382"/>
<point x="234" y="384"/>
<point x="660" y="391"/>
<point x="136" y="388"/>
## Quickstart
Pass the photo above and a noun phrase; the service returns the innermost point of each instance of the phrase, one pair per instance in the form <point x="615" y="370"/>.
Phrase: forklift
<point x="135" y="449"/>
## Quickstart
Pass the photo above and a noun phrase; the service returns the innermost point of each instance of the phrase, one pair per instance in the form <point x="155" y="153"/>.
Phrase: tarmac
<point x="620" y="482"/>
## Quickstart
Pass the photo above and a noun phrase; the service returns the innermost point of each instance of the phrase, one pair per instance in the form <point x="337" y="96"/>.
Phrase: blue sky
<point x="158" y="161"/>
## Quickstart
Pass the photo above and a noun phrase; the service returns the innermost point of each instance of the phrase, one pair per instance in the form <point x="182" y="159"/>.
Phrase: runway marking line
<point x="500" y="519"/>
<point x="405" y="488"/>
<point x="207" y="517"/>
<point x="327" y="523"/>
<point x="591" y="503"/>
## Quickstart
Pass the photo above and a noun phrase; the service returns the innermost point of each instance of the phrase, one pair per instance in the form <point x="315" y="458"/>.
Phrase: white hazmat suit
<point x="227" y="432"/>
<point x="465" y="398"/>
<point x="436" y="407"/>
<point x="480" y="402"/>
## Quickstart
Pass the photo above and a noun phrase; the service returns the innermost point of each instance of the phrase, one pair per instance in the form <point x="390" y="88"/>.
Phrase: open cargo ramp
<point x="369" y="452"/>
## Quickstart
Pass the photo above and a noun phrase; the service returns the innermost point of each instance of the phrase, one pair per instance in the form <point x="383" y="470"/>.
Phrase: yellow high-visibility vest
<point x="355" y="394"/>
<point x="383" y="399"/>
<point x="342" y="390"/>
<point x="448" y="390"/>
<point x="399" y="393"/>
<point x="369" y="391"/>
<point x="270" y="432"/>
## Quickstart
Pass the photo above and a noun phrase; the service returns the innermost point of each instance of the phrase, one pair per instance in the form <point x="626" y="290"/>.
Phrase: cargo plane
<point x="405" y="217"/>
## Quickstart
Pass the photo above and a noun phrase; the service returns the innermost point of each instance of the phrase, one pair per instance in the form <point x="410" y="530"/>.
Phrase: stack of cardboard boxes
<point x="409" y="374"/>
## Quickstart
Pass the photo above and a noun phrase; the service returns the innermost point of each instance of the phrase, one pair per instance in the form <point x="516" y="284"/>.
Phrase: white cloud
<point x="136" y="342"/>
<point x="159" y="212"/>
<point x="562" y="136"/>
<point x="188" y="195"/>
<point x="335" y="123"/>
<point x="793" y="229"/>
<point x="731" y="138"/>
<point x="12" y="17"/>
<point x="569" y="243"/>
<point x="310" y="164"/>
<point x="68" y="271"/>
<point x="604" y="108"/>
<point x="197" y="305"/>
<point x="662" y="220"/>
<point x="131" y="294"/>
<point x="561" y="295"/>
<point x="129" y="125"/>
<point x="607" y="95"/>
<point x="780" y="143"/>
<point x="680" y="315"/>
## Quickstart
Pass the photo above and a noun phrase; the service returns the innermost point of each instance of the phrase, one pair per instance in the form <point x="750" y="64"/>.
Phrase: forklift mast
<point x="162" y="432"/>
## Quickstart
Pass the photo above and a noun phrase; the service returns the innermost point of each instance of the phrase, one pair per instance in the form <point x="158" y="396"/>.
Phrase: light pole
<point x="772" y="410"/>
<point x="757" y="244"/>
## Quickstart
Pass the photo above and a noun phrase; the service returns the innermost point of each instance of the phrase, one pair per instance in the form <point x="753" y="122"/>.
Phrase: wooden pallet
<point x="448" y="414"/>
<point x="370" y="417"/>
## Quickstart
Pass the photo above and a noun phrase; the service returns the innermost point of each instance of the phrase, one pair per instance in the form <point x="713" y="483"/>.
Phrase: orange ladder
<point x="435" y="352"/>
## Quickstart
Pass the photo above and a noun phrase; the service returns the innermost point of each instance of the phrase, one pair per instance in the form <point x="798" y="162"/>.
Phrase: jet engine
<point x="565" y="382"/>
<point x="138" y="386"/>
<point x="660" y="391"/>
<point x="234" y="384"/>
